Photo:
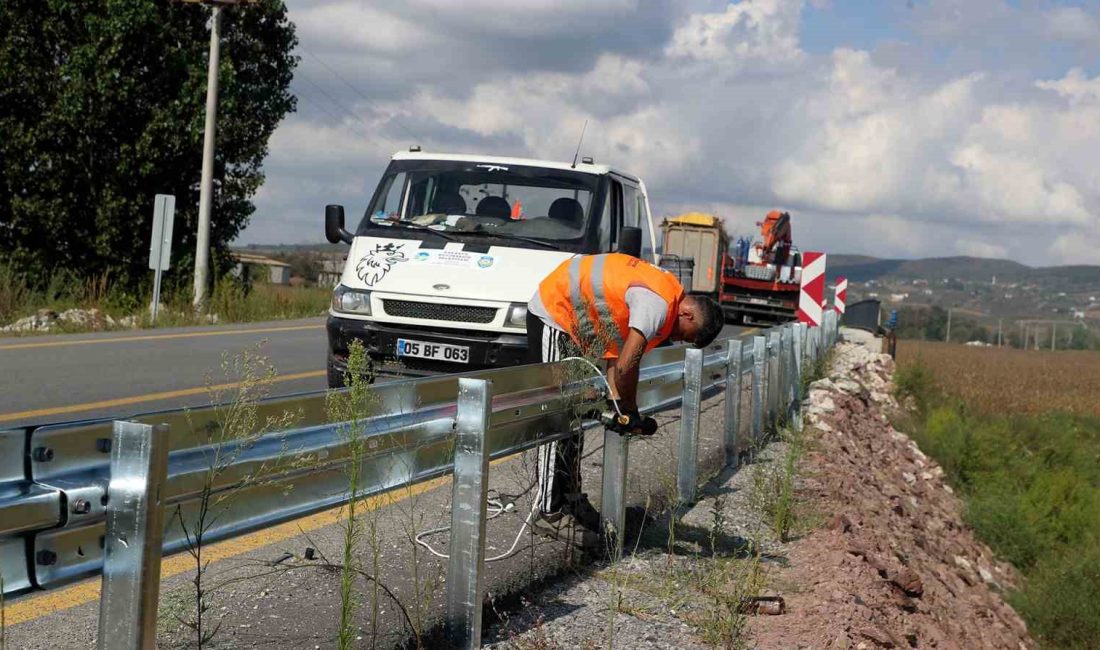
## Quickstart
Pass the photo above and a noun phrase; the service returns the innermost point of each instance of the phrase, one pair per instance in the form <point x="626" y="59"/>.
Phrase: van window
<point x="393" y="189"/>
<point x="630" y="205"/>
<point x="605" y="225"/>
<point x="479" y="198"/>
<point x="645" y="224"/>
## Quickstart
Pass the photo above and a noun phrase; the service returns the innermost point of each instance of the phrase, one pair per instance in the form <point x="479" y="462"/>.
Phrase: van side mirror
<point x="334" y="225"/>
<point x="630" y="241"/>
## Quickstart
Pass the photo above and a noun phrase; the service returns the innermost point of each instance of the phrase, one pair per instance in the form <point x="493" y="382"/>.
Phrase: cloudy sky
<point x="904" y="128"/>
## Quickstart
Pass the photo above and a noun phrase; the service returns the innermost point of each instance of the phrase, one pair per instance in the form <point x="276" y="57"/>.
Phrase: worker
<point x="613" y="307"/>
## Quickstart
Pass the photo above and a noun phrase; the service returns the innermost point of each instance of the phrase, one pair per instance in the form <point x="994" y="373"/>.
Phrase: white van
<point x="452" y="247"/>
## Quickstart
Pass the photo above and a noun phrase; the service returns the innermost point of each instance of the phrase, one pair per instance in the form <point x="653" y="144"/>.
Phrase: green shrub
<point x="1061" y="598"/>
<point x="915" y="380"/>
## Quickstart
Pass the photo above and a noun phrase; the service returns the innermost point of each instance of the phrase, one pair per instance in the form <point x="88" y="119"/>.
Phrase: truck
<point x="755" y="282"/>
<point x="451" y="248"/>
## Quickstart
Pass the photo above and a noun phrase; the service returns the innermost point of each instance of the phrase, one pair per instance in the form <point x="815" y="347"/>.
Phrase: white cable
<point x="500" y="507"/>
<point x="599" y="374"/>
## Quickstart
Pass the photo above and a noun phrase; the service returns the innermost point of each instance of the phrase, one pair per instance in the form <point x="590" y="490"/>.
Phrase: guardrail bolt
<point x="42" y="454"/>
<point x="46" y="557"/>
<point x="103" y="445"/>
<point x="81" y="507"/>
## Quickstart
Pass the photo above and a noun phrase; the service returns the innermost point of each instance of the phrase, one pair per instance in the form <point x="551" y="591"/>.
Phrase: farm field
<point x="1010" y="381"/>
<point x="1018" y="436"/>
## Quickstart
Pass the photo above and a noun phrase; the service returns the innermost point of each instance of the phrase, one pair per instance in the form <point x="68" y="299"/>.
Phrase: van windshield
<point x="473" y="198"/>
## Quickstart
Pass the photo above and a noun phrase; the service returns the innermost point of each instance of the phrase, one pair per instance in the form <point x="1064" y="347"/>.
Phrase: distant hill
<point x="862" y="268"/>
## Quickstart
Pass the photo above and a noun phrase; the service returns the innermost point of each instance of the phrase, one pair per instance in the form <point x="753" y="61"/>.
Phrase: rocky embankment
<point x="880" y="556"/>
<point x="894" y="565"/>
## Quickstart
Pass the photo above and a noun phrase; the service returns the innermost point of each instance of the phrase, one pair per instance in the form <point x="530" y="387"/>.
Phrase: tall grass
<point x="1031" y="482"/>
<point x="228" y="301"/>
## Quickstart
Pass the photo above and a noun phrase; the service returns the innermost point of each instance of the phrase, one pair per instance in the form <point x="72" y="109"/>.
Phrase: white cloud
<point x="747" y="31"/>
<point x="719" y="106"/>
<point x="1072" y="24"/>
<point x="1075" y="86"/>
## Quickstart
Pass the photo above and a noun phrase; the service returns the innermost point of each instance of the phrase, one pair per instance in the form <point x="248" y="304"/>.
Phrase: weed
<point x="717" y="522"/>
<point x="351" y="408"/>
<point x="728" y="585"/>
<point x="773" y="488"/>
<point x="236" y="426"/>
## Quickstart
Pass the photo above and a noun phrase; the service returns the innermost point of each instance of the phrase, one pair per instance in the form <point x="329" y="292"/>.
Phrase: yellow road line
<point x="138" y="399"/>
<point x="154" y="337"/>
<point x="47" y="603"/>
<point x="50" y="602"/>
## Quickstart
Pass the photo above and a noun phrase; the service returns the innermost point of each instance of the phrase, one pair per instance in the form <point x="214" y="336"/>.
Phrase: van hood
<point x="458" y="270"/>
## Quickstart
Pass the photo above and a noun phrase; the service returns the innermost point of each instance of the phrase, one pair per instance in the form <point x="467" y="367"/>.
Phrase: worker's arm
<point x="623" y="373"/>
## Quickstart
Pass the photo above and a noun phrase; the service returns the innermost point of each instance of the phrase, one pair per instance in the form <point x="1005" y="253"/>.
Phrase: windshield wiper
<point x="512" y="237"/>
<point x="416" y="226"/>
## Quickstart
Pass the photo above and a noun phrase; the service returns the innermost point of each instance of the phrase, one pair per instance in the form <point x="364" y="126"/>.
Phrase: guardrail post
<point x="465" y="574"/>
<point x="616" y="454"/>
<point x="785" y="397"/>
<point x="774" y="378"/>
<point x="733" y="400"/>
<point x="135" y="529"/>
<point x="796" y="393"/>
<point x="689" y="425"/>
<point x="759" y="350"/>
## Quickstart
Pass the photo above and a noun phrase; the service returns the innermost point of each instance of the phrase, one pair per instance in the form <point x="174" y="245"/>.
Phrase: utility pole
<point x="206" y="189"/>
<point x="202" y="238"/>
<point x="1053" y="333"/>
<point x="948" y="337"/>
<point x="1000" y="339"/>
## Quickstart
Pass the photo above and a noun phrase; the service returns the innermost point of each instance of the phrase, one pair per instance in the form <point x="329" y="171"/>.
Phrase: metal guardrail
<point x="84" y="498"/>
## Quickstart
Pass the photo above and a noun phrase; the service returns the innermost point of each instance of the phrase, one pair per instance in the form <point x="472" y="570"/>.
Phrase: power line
<point x="358" y="92"/>
<point x="336" y="118"/>
<point x="336" y="103"/>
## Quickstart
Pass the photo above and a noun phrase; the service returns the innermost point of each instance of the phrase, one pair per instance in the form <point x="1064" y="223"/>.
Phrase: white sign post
<point x="160" y="245"/>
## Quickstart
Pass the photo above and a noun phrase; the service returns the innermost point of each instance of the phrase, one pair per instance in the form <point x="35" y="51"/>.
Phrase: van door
<point x="634" y="213"/>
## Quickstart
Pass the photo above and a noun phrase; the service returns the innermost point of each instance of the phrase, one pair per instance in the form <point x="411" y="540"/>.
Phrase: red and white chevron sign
<point x="840" y="296"/>
<point x="811" y="298"/>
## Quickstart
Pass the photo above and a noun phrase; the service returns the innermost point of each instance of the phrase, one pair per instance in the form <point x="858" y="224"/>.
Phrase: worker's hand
<point x="636" y="425"/>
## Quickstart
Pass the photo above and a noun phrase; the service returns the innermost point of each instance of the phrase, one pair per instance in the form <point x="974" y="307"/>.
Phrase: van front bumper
<point x="487" y="349"/>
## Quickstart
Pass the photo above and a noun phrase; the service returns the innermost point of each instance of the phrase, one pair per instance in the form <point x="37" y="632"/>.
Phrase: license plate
<point x="436" y="351"/>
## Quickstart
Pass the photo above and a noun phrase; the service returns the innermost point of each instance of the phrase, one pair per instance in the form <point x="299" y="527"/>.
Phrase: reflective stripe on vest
<point x="605" y="323"/>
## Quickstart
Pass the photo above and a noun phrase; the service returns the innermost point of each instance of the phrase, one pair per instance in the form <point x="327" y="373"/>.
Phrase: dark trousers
<point x="559" y="463"/>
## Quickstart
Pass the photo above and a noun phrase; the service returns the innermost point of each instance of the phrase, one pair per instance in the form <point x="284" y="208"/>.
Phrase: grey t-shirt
<point x="648" y="311"/>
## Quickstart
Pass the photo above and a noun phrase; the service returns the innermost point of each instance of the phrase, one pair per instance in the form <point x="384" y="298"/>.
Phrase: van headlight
<point x="351" y="301"/>
<point x="517" y="315"/>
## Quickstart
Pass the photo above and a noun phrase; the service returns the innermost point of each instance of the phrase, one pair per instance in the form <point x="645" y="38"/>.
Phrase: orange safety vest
<point x="587" y="293"/>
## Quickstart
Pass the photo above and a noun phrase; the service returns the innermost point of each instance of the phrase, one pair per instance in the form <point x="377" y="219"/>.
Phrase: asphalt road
<point x="115" y="374"/>
<point x="50" y="379"/>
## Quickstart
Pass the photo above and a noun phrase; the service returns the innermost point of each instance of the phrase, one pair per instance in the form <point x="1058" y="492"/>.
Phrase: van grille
<point x="434" y="311"/>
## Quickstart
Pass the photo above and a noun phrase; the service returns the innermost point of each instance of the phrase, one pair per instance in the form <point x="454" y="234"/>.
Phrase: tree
<point x="101" y="107"/>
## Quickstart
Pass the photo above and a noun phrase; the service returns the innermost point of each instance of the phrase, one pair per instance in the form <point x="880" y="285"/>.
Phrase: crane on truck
<point x="754" y="281"/>
<point x="762" y="283"/>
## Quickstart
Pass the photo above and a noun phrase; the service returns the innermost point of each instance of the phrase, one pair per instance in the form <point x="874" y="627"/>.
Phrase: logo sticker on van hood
<point x="377" y="263"/>
<point x="455" y="259"/>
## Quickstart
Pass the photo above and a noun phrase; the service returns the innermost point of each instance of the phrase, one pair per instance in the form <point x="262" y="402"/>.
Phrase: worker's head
<point x="699" y="320"/>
